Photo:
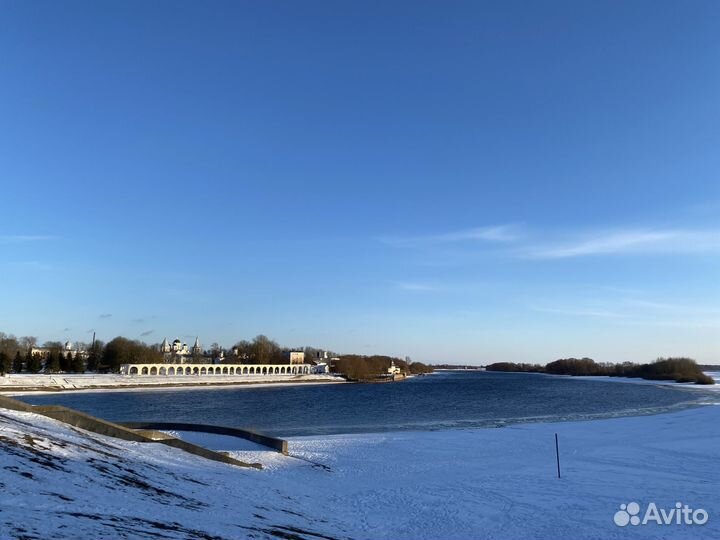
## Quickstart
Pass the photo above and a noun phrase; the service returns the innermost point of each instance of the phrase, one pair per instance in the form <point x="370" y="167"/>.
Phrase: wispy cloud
<point x="638" y="312"/>
<point x="580" y="312"/>
<point x="28" y="265"/>
<point x="495" y="233"/>
<point x="705" y="322"/>
<point x="147" y="333"/>
<point x="417" y="287"/>
<point x="105" y="315"/>
<point x="629" y="242"/>
<point x="21" y="238"/>
<point x="518" y="242"/>
<point x="668" y="308"/>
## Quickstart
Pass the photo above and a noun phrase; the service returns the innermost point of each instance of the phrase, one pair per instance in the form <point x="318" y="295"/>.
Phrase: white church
<point x="178" y="353"/>
<point x="179" y="350"/>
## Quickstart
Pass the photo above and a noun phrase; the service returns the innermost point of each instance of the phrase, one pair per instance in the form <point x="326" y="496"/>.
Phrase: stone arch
<point x="162" y="371"/>
<point x="307" y="370"/>
<point x="294" y="370"/>
<point x="144" y="371"/>
<point x="277" y="370"/>
<point x="153" y="370"/>
<point x="210" y="371"/>
<point x="195" y="371"/>
<point x="244" y="370"/>
<point x="171" y="371"/>
<point x="252" y="371"/>
<point x="203" y="371"/>
<point x="134" y="370"/>
<point x="264" y="371"/>
<point x="225" y="371"/>
<point x="282" y="370"/>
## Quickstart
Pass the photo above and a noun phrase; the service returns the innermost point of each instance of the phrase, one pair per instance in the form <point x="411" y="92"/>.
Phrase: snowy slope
<point x="59" y="482"/>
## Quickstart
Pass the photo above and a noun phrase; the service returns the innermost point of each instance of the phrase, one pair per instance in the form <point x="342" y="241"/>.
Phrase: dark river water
<point x="440" y="401"/>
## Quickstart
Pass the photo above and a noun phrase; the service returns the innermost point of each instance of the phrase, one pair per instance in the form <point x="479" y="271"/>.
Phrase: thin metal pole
<point x="557" y="454"/>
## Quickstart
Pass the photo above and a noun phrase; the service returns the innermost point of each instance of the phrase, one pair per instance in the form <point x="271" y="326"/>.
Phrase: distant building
<point x="180" y="350"/>
<point x="196" y="349"/>
<point x="68" y="347"/>
<point x="393" y="369"/>
<point x="294" y="357"/>
<point x="177" y="348"/>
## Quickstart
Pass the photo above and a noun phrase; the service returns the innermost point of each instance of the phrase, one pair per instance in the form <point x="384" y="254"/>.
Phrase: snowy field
<point x="60" y="482"/>
<point x="18" y="384"/>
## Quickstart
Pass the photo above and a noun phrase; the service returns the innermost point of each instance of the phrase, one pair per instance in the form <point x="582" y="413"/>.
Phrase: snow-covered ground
<point x="634" y="380"/>
<point x="17" y="384"/>
<point x="60" y="482"/>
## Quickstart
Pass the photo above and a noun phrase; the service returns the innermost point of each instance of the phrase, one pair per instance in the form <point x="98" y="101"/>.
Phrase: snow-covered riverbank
<point x="635" y="380"/>
<point x="14" y="384"/>
<point x="60" y="482"/>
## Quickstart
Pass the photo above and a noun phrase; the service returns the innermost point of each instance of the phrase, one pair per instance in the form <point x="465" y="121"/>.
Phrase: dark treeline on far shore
<point x="456" y="366"/>
<point x="25" y="355"/>
<point x="709" y="367"/>
<point x="663" y="369"/>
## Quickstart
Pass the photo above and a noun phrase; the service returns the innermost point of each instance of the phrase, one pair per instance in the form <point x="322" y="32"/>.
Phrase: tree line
<point x="662" y="369"/>
<point x="358" y="367"/>
<point x="16" y="357"/>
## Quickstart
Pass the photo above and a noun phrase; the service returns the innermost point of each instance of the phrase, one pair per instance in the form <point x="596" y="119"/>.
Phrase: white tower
<point x="197" y="349"/>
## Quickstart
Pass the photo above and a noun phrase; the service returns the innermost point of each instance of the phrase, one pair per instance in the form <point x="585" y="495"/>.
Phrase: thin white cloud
<point x="28" y="265"/>
<point x="698" y="323"/>
<point x="672" y="309"/>
<point x="638" y="312"/>
<point x="495" y="233"/>
<point x="580" y="312"/>
<point x="22" y="238"/>
<point x="630" y="242"/>
<point x="635" y="319"/>
<point x="417" y="287"/>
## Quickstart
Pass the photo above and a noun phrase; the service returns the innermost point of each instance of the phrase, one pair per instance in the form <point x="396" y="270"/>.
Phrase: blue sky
<point x="454" y="181"/>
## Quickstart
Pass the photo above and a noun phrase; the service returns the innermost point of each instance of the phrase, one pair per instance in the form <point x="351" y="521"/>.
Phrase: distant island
<point x="356" y="367"/>
<point x="683" y="370"/>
